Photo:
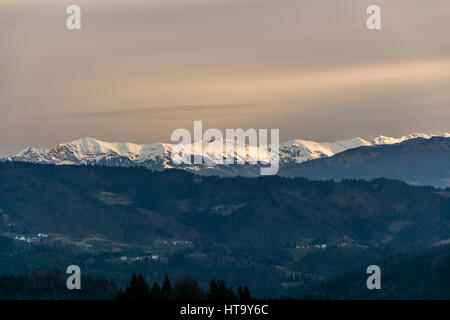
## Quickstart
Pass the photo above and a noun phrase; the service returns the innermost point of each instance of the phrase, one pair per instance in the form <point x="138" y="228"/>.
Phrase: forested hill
<point x="292" y="232"/>
<point x="137" y="205"/>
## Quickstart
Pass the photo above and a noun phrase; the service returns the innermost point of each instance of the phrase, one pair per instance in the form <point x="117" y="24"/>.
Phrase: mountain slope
<point x="418" y="161"/>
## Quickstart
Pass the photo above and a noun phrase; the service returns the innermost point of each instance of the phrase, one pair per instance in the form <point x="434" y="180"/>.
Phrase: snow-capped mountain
<point x="90" y="151"/>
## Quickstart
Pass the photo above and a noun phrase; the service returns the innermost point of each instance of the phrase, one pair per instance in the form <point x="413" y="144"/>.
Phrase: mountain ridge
<point x="417" y="162"/>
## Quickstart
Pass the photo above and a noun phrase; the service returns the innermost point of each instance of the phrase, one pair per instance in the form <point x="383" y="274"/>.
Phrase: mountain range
<point x="418" y="158"/>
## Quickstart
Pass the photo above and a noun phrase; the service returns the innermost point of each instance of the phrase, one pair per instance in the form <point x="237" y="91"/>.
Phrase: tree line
<point x="185" y="288"/>
<point x="51" y="285"/>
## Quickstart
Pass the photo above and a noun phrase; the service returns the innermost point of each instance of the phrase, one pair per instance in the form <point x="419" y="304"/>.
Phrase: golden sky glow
<point x="139" y="69"/>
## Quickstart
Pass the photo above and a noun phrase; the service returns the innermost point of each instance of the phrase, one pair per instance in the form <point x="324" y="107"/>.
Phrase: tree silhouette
<point x="155" y="293"/>
<point x="187" y="289"/>
<point x="166" y="289"/>
<point x="218" y="291"/>
<point x="137" y="289"/>
<point x="244" y="294"/>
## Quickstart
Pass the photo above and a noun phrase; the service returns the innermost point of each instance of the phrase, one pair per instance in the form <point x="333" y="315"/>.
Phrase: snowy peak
<point x="389" y="140"/>
<point x="92" y="146"/>
<point x="31" y="151"/>
<point x="303" y="150"/>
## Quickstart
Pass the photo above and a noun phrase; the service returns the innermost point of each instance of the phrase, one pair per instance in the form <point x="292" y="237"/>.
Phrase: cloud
<point x="138" y="69"/>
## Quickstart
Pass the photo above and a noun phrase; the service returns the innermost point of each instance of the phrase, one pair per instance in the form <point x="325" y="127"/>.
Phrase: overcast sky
<point x="140" y="69"/>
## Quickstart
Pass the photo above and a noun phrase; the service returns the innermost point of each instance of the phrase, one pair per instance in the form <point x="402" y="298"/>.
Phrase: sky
<point x="139" y="69"/>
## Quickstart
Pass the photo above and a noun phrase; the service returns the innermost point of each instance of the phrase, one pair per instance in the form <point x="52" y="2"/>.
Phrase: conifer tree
<point x="137" y="289"/>
<point x="244" y="294"/>
<point x="166" y="289"/>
